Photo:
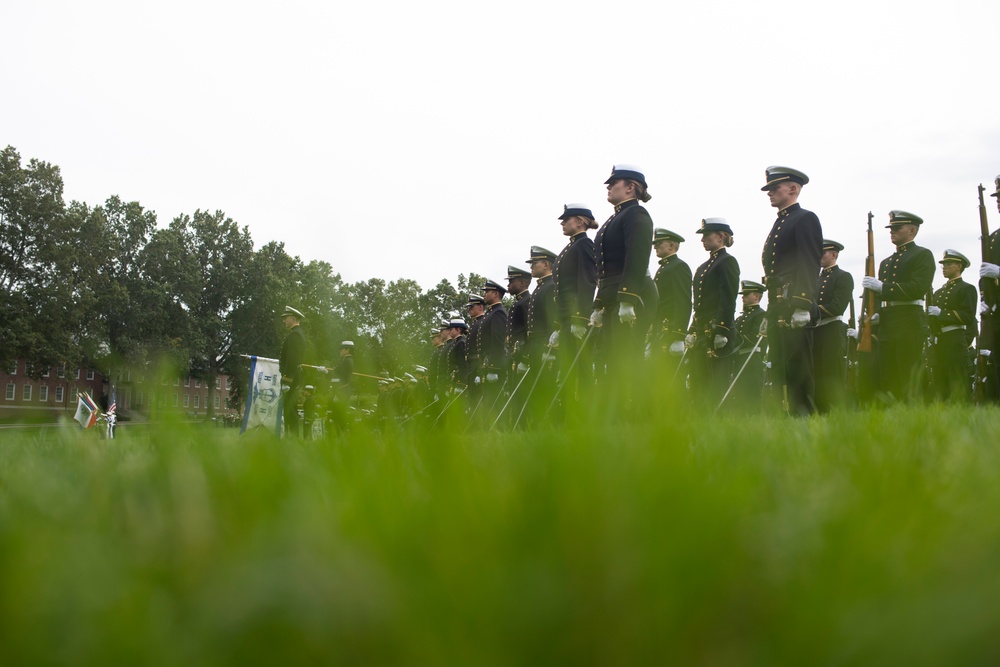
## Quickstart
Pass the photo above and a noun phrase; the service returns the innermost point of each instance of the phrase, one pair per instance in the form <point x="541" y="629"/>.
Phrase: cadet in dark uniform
<point x="829" y="332"/>
<point x="575" y="277"/>
<point x="477" y="310"/>
<point x="904" y="278"/>
<point x="518" y="281"/>
<point x="748" y="389"/>
<point x="989" y="290"/>
<point x="541" y="306"/>
<point x="492" y="339"/>
<point x="791" y="266"/>
<point x="712" y="337"/>
<point x="673" y="287"/>
<point x="626" y="295"/>
<point x="458" y="365"/>
<point x="952" y="316"/>
<point x="438" y="363"/>
<point x="344" y="371"/>
<point x="310" y="411"/>
<point x="293" y="352"/>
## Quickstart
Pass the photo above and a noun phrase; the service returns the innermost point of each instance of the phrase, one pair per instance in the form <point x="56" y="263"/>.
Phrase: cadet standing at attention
<point x="952" y="317"/>
<point x="625" y="290"/>
<point x="904" y="278"/>
<point x="791" y="265"/>
<point x="673" y="287"/>
<point x="829" y="332"/>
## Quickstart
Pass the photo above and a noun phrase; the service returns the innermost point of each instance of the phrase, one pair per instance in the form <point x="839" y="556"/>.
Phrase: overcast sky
<point x="424" y="140"/>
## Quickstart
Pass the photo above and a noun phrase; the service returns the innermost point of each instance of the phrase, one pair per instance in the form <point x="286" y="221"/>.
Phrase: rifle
<point x="988" y="295"/>
<point x="868" y="307"/>
<point x="852" y="354"/>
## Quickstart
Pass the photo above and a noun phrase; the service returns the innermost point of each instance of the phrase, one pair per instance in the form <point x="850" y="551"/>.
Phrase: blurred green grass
<point x="857" y="538"/>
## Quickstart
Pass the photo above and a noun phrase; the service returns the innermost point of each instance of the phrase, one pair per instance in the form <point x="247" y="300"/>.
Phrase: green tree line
<point x="106" y="286"/>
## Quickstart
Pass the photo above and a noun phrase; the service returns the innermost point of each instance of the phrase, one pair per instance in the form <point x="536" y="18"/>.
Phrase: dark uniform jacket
<point x="957" y="300"/>
<point x="492" y="338"/>
<point x="622" y="248"/>
<point x="907" y="274"/>
<point x="437" y="367"/>
<point x="716" y="283"/>
<point x="748" y="329"/>
<point x="834" y="292"/>
<point x="343" y="372"/>
<point x="517" y="327"/>
<point x="458" y="366"/>
<point x="541" y="316"/>
<point x="989" y="288"/>
<point x="575" y="276"/>
<point x="293" y="352"/>
<point x="673" y="283"/>
<point x="791" y="260"/>
<point x="472" y="345"/>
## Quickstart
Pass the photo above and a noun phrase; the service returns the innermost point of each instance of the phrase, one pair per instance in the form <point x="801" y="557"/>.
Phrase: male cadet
<point x="952" y="317"/>
<point x="989" y="290"/>
<point x="518" y="281"/>
<point x="575" y="278"/>
<point x="344" y="370"/>
<point x="791" y="266"/>
<point x="492" y="338"/>
<point x="541" y="306"/>
<point x="903" y="279"/>
<point x="749" y="384"/>
<point x="477" y="310"/>
<point x="673" y="284"/>
<point x="829" y="332"/>
<point x="438" y="363"/>
<point x="458" y="365"/>
<point x="293" y="352"/>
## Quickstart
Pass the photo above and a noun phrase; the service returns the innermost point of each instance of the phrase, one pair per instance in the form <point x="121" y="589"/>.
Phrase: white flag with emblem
<point x="263" y="406"/>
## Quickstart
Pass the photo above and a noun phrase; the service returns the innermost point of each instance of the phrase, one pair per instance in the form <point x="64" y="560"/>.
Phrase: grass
<point x="858" y="538"/>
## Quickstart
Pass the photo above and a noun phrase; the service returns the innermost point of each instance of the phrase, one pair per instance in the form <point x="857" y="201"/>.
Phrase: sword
<point x="509" y="399"/>
<point x="441" y="414"/>
<point x="736" y="379"/>
<point x="541" y="369"/>
<point x="569" y="371"/>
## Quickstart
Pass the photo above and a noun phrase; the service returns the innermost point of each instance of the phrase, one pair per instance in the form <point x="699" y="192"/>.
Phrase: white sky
<point x="423" y="140"/>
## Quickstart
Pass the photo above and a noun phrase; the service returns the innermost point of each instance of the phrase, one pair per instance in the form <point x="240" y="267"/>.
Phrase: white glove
<point x="597" y="318"/>
<point x="522" y="368"/>
<point x="983" y="308"/>
<point x="852" y="333"/>
<point x="547" y="358"/>
<point x="689" y="340"/>
<point x="677" y="347"/>
<point x="626" y="312"/>
<point x="987" y="270"/>
<point x="578" y="330"/>
<point x="800" y="318"/>
<point x="492" y="377"/>
<point x="762" y="331"/>
<point x="476" y="380"/>
<point x="720" y="342"/>
<point x="554" y="339"/>
<point x="933" y="311"/>
<point x="985" y="353"/>
<point x="874" y="319"/>
<point x="872" y="283"/>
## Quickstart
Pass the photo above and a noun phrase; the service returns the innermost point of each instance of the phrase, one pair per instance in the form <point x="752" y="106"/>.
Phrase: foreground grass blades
<point x="859" y="538"/>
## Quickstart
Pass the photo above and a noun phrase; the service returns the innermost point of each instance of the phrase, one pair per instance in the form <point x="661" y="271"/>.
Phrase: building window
<point x="90" y="373"/>
<point x="26" y="394"/>
<point x="61" y="371"/>
<point x="46" y="373"/>
<point x="216" y="401"/>
<point x="229" y="383"/>
<point x="10" y="391"/>
<point x="197" y="382"/>
<point x="77" y="373"/>
<point x="187" y="400"/>
<point x="60" y="394"/>
<point x="177" y="382"/>
<point x="13" y="368"/>
<point x="175" y="399"/>
<point x="43" y="394"/>
<point x="218" y="383"/>
<point x="74" y="393"/>
<point x="187" y="381"/>
<point x="197" y="401"/>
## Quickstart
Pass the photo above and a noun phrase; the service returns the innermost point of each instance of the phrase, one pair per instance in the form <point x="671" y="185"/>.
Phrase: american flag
<point x="111" y="403"/>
